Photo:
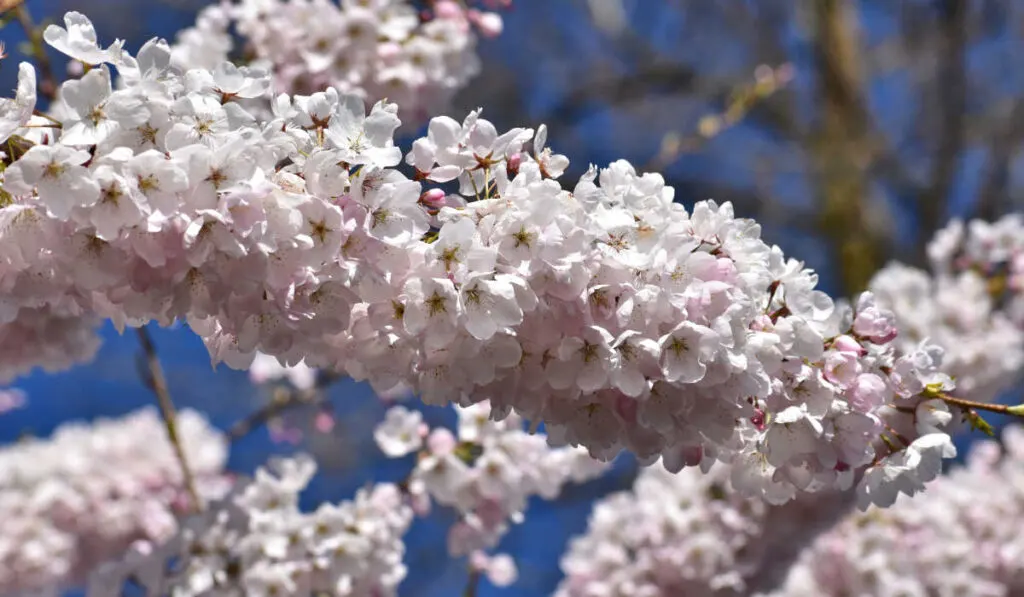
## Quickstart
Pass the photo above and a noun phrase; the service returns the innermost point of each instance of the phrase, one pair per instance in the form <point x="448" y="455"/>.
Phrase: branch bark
<point x="279" y="403"/>
<point x="951" y="92"/>
<point x="156" y="382"/>
<point x="841" y="149"/>
<point x="996" y="178"/>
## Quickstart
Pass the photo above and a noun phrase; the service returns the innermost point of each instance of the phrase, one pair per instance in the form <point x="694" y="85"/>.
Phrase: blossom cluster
<point x="487" y="472"/>
<point x="671" y="534"/>
<point x="82" y="496"/>
<point x="971" y="306"/>
<point x="690" y="534"/>
<point x="961" y="537"/>
<point x="994" y="251"/>
<point x="375" y="49"/>
<point x="256" y="541"/>
<point x="11" y="399"/>
<point x="47" y="336"/>
<point x="609" y="313"/>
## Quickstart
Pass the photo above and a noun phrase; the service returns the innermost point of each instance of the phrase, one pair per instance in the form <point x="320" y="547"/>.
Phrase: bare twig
<point x="472" y="583"/>
<point x="156" y="382"/>
<point x="742" y="100"/>
<point x="281" y="401"/>
<point x="47" y="79"/>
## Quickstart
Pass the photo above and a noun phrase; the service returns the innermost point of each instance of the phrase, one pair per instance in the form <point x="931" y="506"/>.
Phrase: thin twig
<point x="158" y="384"/>
<point x="280" y="403"/>
<point x="47" y="80"/>
<point x="1016" y="410"/>
<point x="472" y="583"/>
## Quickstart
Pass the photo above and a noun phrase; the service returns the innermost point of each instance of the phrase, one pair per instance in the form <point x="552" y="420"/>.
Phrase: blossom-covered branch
<point x="609" y="313"/>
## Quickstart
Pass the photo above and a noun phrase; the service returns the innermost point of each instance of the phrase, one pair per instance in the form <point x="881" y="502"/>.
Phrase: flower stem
<point x="158" y="384"/>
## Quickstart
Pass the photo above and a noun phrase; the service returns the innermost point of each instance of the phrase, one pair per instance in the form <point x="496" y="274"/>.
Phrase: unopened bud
<point x="434" y="199"/>
<point x="512" y="164"/>
<point x="489" y="23"/>
<point x="446" y="9"/>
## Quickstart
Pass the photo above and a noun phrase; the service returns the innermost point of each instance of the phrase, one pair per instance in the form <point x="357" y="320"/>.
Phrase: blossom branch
<point x="156" y="382"/>
<point x="768" y="81"/>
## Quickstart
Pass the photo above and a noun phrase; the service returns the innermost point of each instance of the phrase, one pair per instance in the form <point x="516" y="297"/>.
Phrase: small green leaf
<point x="978" y="423"/>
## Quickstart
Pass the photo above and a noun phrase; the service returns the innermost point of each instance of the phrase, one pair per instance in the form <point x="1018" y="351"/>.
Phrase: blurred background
<point x="851" y="130"/>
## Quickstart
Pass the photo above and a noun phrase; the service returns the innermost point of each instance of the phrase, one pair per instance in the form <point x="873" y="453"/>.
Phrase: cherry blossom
<point x="368" y="50"/>
<point x="255" y="541"/>
<point x="487" y="474"/>
<point x="16" y="112"/>
<point x="954" y="539"/>
<point x="82" y="496"/>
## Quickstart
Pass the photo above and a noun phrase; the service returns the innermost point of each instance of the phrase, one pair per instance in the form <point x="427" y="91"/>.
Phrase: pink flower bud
<point x="501" y="570"/>
<point x="758" y="419"/>
<point x="871" y="322"/>
<point x="478" y="560"/>
<point x="434" y="199"/>
<point x="867" y="393"/>
<point x="841" y="368"/>
<point x="849" y="344"/>
<point x="491" y="513"/>
<point x="441" y="442"/>
<point x="489" y="23"/>
<point x="692" y="455"/>
<point x="447" y="9"/>
<point x="324" y="422"/>
<point x="512" y="164"/>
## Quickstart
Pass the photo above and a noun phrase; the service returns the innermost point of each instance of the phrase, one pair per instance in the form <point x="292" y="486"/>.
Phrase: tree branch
<point x="841" y="148"/>
<point x="156" y="382"/>
<point x="951" y="94"/>
<point x="280" y="402"/>
<point x="1002" y="409"/>
<point x="996" y="178"/>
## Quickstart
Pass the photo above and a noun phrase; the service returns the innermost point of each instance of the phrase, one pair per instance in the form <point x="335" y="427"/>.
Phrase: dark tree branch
<point x="842" y="149"/>
<point x="995" y="181"/>
<point x="951" y="94"/>
<point x="156" y="381"/>
<point x="280" y="402"/>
